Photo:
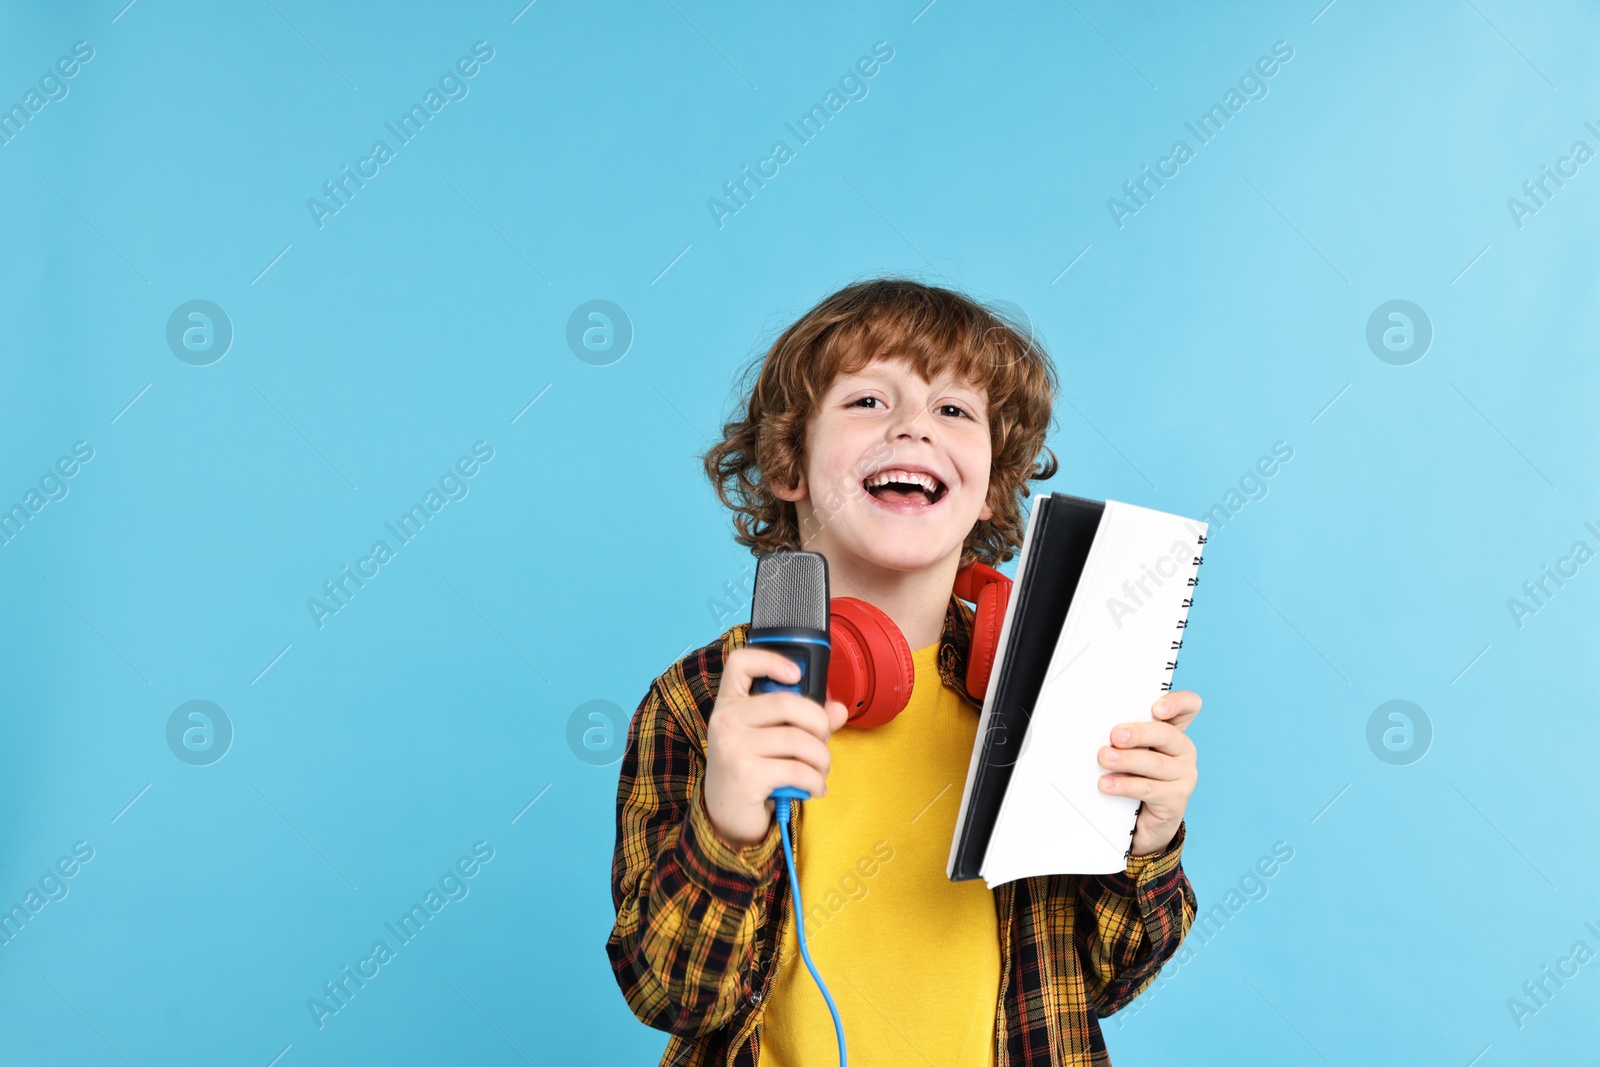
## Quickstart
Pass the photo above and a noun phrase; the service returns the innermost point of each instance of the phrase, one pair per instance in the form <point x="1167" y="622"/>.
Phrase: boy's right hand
<point x="756" y="742"/>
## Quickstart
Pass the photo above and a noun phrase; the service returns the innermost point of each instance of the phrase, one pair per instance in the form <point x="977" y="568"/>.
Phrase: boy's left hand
<point x="1154" y="763"/>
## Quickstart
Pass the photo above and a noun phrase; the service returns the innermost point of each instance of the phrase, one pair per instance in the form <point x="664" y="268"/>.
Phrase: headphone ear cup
<point x="870" y="669"/>
<point x="988" y="616"/>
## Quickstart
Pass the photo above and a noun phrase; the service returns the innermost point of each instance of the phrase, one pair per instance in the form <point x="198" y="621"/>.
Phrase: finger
<point x="1178" y="708"/>
<point x="791" y="742"/>
<point x="1136" y="786"/>
<point x="1161" y="736"/>
<point x="772" y="773"/>
<point x="746" y="664"/>
<point x="1144" y="762"/>
<point x="792" y="709"/>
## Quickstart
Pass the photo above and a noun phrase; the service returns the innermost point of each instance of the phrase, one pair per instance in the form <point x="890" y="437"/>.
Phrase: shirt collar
<point x="953" y="645"/>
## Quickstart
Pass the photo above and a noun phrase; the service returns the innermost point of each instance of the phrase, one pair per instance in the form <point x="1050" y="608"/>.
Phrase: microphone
<point x="789" y="616"/>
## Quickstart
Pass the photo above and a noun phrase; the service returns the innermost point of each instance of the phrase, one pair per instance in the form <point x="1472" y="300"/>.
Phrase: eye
<point x="865" y="400"/>
<point x="953" y="409"/>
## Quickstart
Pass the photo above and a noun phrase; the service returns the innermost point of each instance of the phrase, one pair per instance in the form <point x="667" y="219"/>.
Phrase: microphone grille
<point x="791" y="591"/>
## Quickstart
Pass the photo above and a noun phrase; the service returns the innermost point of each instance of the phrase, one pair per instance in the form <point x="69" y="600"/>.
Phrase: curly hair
<point x="935" y="330"/>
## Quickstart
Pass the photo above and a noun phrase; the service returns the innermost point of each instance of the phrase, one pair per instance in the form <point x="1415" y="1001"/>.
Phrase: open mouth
<point x="904" y="487"/>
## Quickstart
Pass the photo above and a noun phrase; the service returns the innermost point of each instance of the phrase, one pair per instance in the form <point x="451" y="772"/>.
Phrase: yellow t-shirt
<point x="911" y="958"/>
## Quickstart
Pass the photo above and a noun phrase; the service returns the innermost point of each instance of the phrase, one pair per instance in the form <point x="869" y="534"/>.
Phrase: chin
<point x="901" y="557"/>
<point x="894" y="547"/>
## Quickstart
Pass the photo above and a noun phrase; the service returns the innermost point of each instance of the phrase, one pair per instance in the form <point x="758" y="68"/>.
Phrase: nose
<point x="913" y="422"/>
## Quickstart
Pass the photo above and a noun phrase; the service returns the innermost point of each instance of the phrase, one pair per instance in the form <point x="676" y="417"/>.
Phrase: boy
<point x="894" y="429"/>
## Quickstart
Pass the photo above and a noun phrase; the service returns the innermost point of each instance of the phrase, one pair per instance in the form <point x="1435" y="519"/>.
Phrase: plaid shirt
<point x="700" y="921"/>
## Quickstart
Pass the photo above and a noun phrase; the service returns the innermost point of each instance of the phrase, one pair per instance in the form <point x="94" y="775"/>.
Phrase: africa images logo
<point x="1205" y="128"/>
<point x="452" y="86"/>
<point x="452" y="886"/>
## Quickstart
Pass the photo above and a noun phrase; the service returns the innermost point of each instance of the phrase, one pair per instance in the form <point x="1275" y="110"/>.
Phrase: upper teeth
<point x="927" y="481"/>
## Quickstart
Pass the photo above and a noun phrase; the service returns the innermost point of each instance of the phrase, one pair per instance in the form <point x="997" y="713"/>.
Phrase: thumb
<point x="838" y="715"/>
<point x="1177" y="709"/>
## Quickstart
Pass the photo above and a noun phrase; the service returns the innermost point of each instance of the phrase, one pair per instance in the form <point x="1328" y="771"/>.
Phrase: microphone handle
<point x="807" y="648"/>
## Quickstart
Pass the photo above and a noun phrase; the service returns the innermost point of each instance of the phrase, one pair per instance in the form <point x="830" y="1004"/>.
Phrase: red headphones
<point x="870" y="669"/>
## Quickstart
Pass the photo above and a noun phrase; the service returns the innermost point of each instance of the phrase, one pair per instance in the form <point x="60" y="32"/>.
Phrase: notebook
<point x="1090" y="639"/>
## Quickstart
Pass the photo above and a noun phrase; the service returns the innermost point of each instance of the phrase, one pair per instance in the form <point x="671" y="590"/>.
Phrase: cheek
<point x="981" y="466"/>
<point x="839" y="455"/>
<point x="825" y="467"/>
<point x="975" y="461"/>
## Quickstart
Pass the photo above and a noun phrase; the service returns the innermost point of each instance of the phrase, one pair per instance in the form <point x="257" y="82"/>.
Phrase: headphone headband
<point x="975" y="577"/>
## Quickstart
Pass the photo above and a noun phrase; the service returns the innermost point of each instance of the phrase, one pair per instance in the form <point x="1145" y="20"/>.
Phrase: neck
<point x="915" y="600"/>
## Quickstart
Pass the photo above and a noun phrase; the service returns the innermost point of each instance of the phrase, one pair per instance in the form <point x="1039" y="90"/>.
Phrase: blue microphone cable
<point x="783" y="796"/>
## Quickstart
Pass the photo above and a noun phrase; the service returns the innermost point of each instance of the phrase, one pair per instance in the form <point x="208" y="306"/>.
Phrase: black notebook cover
<point x="1064" y="530"/>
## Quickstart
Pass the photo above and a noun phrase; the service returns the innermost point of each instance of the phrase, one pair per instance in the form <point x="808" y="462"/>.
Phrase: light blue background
<point x="426" y="315"/>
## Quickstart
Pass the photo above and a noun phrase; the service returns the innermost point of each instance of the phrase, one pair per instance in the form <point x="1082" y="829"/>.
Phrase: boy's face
<point x="896" y="469"/>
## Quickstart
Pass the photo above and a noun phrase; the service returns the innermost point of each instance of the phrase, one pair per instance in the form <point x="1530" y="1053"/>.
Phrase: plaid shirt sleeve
<point x="689" y="903"/>
<point x="1131" y="923"/>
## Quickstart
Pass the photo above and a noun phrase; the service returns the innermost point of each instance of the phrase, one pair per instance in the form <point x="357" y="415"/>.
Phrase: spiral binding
<point x="1172" y="664"/>
<point x="1183" y="622"/>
